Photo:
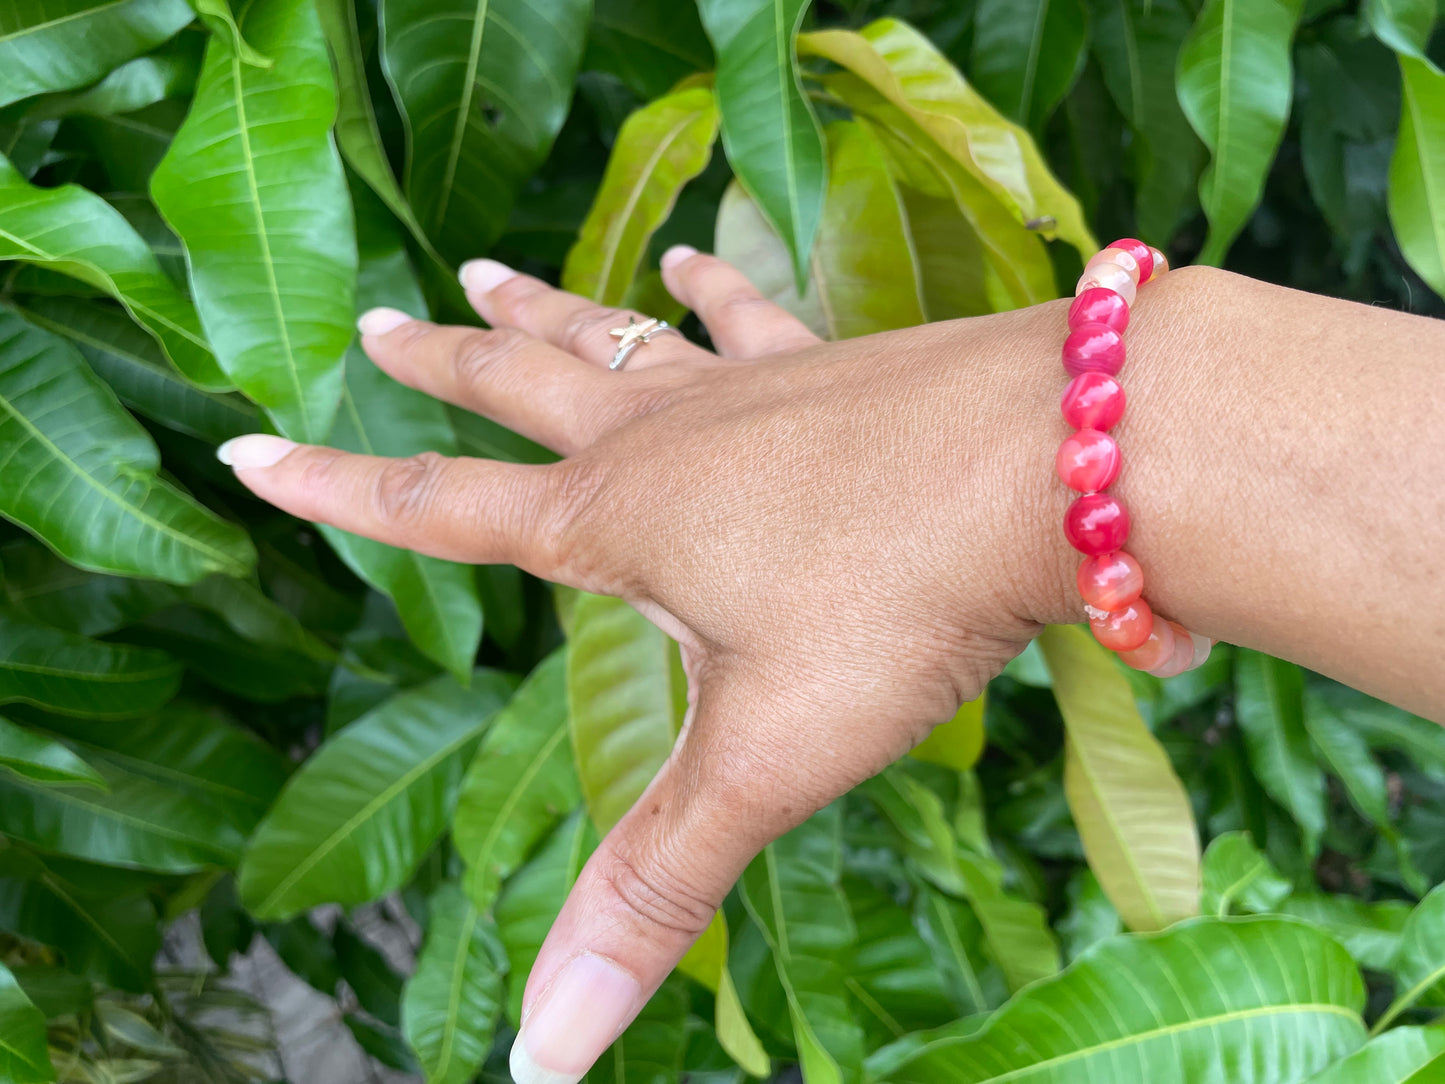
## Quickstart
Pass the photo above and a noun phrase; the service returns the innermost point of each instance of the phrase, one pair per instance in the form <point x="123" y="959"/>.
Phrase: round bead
<point x="1202" y="647"/>
<point x="1161" y="264"/>
<point x="1118" y="256"/>
<point x="1142" y="253"/>
<point x="1155" y="651"/>
<point x="1110" y="276"/>
<point x="1180" y="658"/>
<point x="1096" y="523"/>
<point x="1093" y="400"/>
<point x="1110" y="581"/>
<point x="1093" y="348"/>
<point x="1088" y="461"/>
<point x="1125" y="629"/>
<point x="1097" y="305"/>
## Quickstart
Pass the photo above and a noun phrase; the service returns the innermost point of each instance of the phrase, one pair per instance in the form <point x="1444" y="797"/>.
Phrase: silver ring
<point x="634" y="335"/>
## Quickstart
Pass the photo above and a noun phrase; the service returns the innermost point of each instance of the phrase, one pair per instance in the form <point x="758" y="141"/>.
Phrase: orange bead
<point x="1126" y="628"/>
<point x="1155" y="651"/>
<point x="1110" y="581"/>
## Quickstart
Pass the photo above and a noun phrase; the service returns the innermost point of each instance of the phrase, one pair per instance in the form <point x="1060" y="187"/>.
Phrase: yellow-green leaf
<point x="957" y="743"/>
<point x="1417" y="172"/>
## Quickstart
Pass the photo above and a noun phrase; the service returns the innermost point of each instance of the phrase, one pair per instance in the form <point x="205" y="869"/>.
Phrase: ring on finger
<point x="635" y="335"/>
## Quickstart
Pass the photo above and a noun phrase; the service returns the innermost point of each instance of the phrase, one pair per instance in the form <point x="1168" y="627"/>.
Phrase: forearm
<point x="1283" y="458"/>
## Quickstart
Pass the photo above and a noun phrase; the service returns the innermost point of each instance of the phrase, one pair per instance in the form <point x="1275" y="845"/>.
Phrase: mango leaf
<point x="1235" y="85"/>
<point x="1237" y="875"/>
<point x="50" y="45"/>
<point x="136" y="369"/>
<point x="1370" y="932"/>
<point x="1417" y="172"/>
<point x="1027" y="54"/>
<point x="1419" y="964"/>
<point x="951" y="269"/>
<point x="254" y="187"/>
<point x="452" y="1004"/>
<point x="34" y="757"/>
<point x="909" y="72"/>
<point x="1385" y="726"/>
<point x="1347" y="753"/>
<point x="168" y="72"/>
<point x="1090" y="919"/>
<point x="892" y="973"/>
<point x="862" y="276"/>
<point x="359" y="816"/>
<point x="958" y="743"/>
<point x="1269" y="704"/>
<point x="484" y="86"/>
<point x="1016" y="931"/>
<point x="367" y="972"/>
<point x="659" y="149"/>
<point x="651" y="1050"/>
<point x="24" y="1058"/>
<point x="792" y="892"/>
<point x="1392" y="1058"/>
<point x="520" y="783"/>
<point x="648" y="44"/>
<point x="954" y="933"/>
<point x="71" y="675"/>
<point x="707" y="963"/>
<point x="769" y="130"/>
<point x="109" y="937"/>
<point x="436" y="600"/>
<point x="75" y="232"/>
<point x="1131" y="810"/>
<point x="1191" y="1003"/>
<point x="1403" y="25"/>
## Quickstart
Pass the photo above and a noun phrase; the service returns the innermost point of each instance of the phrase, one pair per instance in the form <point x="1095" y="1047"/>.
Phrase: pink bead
<point x="1110" y="581"/>
<point x="1109" y="276"/>
<point x="1142" y="253"/>
<point x="1093" y="400"/>
<point x="1096" y="523"/>
<point x="1155" y="651"/>
<point x="1161" y="264"/>
<point x="1125" y="629"/>
<point x="1179" y="659"/>
<point x="1088" y="461"/>
<point x="1093" y="348"/>
<point x="1099" y="306"/>
<point x="1118" y="256"/>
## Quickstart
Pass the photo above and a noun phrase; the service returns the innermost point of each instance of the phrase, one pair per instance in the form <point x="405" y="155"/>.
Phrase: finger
<point x="742" y="322"/>
<point x="640" y="902"/>
<point x="506" y="298"/>
<point x="473" y="510"/>
<point x="526" y="385"/>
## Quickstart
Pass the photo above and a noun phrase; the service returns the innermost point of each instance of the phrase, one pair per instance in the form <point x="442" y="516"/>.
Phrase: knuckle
<point x="516" y="294"/>
<point x="652" y="896"/>
<point x="478" y="352"/>
<point x="405" y="487"/>
<point x="586" y="328"/>
<point x="567" y="531"/>
<point x="318" y="473"/>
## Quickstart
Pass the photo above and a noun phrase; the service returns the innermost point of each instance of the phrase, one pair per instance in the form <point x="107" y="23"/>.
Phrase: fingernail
<point x="380" y="321"/>
<point x="675" y="255"/>
<point x="484" y="276"/>
<point x="577" y="1017"/>
<point x="253" y="450"/>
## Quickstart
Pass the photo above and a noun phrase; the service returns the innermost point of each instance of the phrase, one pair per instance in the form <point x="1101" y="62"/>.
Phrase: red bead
<point x="1141" y="252"/>
<point x="1093" y="401"/>
<point x="1088" y="461"/>
<point x="1125" y="629"/>
<point x="1093" y="348"/>
<point x="1097" y="305"/>
<point x="1155" y="651"/>
<point x="1096" y="523"/>
<point x="1110" y="581"/>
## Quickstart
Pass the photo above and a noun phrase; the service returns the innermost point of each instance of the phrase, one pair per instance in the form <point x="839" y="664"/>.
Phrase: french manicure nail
<point x="484" y="276"/>
<point x="253" y="450"/>
<point x="675" y="255"/>
<point x="380" y="321"/>
<point x="578" y="1016"/>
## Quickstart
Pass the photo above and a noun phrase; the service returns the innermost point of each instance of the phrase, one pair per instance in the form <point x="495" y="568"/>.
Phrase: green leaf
<point x="707" y="962"/>
<point x="359" y="816"/>
<point x="1370" y="932"/>
<point x="1269" y="704"/>
<point x="1196" y="1002"/>
<point x="24" y="1058"/>
<point x="792" y="892"/>
<point x="771" y="135"/>
<point x="436" y="600"/>
<point x="377" y="987"/>
<point x="50" y="45"/>
<point x="40" y="760"/>
<point x="520" y="783"/>
<point x="484" y="86"/>
<point x="1027" y="54"/>
<point x="958" y="743"/>
<point x="648" y="44"/>
<point x="1016" y="931"/>
<point x="452" y="1004"/>
<point x="75" y="232"/>
<point x="1392" y="1058"/>
<point x="136" y="369"/>
<point x="1131" y="810"/>
<point x="891" y="970"/>
<point x="254" y="187"/>
<point x="1419" y="964"/>
<point x="1417" y="172"/>
<point x="1237" y="875"/>
<point x="1235" y="84"/>
<point x="82" y="474"/>
<point x="956" y="937"/>
<point x="1347" y="753"/>
<point x="659" y="149"/>
<point x="951" y="269"/>
<point x="651" y="1050"/>
<point x="71" y="675"/>
<point x="1385" y="726"/>
<point x="1403" y="25"/>
<point x="862" y="276"/>
<point x="108" y="937"/>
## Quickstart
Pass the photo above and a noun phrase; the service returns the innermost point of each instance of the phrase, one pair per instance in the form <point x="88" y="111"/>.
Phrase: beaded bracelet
<point x="1097" y="523"/>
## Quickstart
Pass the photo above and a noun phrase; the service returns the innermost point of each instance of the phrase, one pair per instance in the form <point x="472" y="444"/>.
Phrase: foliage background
<point x="212" y="708"/>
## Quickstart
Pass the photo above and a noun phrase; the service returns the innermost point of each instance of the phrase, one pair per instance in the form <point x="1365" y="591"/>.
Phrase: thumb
<point x="647" y="893"/>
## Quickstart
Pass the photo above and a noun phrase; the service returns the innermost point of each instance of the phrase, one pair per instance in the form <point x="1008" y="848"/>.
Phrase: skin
<point x="850" y="539"/>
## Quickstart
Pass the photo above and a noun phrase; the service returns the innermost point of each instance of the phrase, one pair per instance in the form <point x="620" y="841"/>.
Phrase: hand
<point x="848" y="540"/>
